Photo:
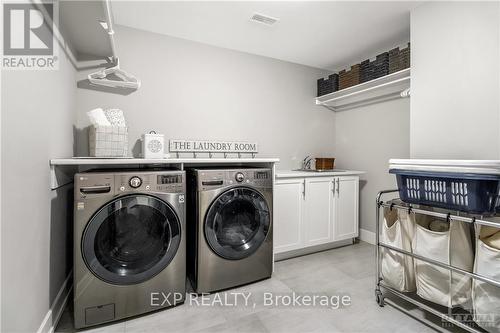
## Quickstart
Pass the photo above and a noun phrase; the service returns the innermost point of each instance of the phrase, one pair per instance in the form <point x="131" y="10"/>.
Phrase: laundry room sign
<point x="205" y="146"/>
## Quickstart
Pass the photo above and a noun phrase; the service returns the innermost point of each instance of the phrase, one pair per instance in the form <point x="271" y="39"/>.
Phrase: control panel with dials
<point x="92" y="184"/>
<point x="211" y="179"/>
<point x="143" y="181"/>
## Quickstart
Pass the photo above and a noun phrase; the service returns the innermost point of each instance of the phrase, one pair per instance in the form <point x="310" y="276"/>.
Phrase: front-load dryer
<point x="229" y="227"/>
<point x="129" y="244"/>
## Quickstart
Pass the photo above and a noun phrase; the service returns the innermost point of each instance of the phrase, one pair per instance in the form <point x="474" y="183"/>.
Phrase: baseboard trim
<point x="367" y="236"/>
<point x="55" y="312"/>
<point x="310" y="250"/>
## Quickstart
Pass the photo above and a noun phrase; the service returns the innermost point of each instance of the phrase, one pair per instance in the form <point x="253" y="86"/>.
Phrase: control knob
<point x="239" y="177"/>
<point x="135" y="182"/>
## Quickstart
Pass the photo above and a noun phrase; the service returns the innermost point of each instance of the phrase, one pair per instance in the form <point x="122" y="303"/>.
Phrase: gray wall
<point x="366" y="138"/>
<point x="192" y="90"/>
<point x="455" y="103"/>
<point x="38" y="114"/>
<point x="195" y="91"/>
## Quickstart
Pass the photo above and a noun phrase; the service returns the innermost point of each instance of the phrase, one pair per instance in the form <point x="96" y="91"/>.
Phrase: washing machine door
<point x="131" y="239"/>
<point x="237" y="223"/>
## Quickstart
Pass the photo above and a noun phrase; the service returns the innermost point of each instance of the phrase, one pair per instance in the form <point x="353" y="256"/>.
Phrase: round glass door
<point x="237" y="223"/>
<point x="131" y="239"/>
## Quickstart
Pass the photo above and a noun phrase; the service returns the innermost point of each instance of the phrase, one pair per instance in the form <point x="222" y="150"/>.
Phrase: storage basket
<point x="399" y="59"/>
<point x="473" y="193"/>
<point x="328" y="85"/>
<point x="451" y="247"/>
<point x="398" y="230"/>
<point x="349" y="78"/>
<point x="486" y="297"/>
<point x="404" y="57"/>
<point x="108" y="141"/>
<point x="370" y="70"/>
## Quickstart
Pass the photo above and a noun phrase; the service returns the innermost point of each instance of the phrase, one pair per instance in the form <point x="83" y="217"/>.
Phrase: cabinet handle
<point x="304" y="189"/>
<point x="333" y="187"/>
<point x="338" y="187"/>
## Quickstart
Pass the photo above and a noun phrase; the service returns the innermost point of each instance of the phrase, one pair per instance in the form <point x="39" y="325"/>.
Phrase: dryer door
<point x="237" y="223"/>
<point x="131" y="239"/>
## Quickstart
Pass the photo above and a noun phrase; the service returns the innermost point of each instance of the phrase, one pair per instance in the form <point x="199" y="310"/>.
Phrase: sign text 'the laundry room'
<point x="212" y="146"/>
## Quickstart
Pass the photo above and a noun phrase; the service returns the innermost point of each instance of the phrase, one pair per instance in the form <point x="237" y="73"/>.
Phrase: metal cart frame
<point x="381" y="289"/>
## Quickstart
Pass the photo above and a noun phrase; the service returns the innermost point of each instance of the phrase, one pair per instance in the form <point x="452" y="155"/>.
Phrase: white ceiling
<point x="327" y="34"/>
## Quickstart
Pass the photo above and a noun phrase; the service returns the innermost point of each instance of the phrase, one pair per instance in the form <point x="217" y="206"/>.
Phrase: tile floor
<point x="344" y="271"/>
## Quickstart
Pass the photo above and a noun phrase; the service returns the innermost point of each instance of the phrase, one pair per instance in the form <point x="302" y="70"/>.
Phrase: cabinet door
<point x="346" y="207"/>
<point x="288" y="204"/>
<point x="318" y="208"/>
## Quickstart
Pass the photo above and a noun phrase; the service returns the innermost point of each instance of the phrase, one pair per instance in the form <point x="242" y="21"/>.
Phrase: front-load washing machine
<point x="129" y="244"/>
<point x="229" y="227"/>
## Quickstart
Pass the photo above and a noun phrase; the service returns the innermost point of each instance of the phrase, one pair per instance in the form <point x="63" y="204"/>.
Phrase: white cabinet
<point x="318" y="208"/>
<point x="345" y="224"/>
<point x="288" y="207"/>
<point x="314" y="211"/>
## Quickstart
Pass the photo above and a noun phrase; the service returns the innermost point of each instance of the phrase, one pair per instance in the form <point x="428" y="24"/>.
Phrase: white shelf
<point x="375" y="91"/>
<point x="62" y="170"/>
<point x="142" y="161"/>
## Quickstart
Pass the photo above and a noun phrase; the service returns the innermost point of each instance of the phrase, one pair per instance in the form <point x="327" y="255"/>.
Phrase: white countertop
<point x="131" y="161"/>
<point x="62" y="170"/>
<point x="305" y="174"/>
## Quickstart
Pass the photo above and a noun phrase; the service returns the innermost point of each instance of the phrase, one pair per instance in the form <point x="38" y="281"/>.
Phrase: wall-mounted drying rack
<point x="126" y="80"/>
<point x="389" y="87"/>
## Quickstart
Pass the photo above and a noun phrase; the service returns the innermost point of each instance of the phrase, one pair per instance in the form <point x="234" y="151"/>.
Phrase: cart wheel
<point x="379" y="298"/>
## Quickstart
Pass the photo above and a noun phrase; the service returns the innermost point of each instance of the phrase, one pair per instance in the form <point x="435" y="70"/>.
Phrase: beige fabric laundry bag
<point x="486" y="297"/>
<point x="397" y="269"/>
<point x="452" y="247"/>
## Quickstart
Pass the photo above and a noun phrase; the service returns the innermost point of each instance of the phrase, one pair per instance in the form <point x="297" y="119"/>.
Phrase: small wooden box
<point x="325" y="163"/>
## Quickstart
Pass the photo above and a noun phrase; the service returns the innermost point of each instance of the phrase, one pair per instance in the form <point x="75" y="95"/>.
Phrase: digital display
<point x="169" y="179"/>
<point x="261" y="175"/>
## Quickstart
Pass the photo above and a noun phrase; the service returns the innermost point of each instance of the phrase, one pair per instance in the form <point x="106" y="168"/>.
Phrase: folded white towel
<point x="98" y="118"/>
<point x="115" y="117"/>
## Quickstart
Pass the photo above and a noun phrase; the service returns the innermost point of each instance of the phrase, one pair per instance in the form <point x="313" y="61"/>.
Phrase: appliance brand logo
<point x="28" y="36"/>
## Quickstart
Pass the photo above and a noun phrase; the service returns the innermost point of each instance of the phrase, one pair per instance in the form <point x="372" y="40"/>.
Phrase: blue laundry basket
<point x="471" y="193"/>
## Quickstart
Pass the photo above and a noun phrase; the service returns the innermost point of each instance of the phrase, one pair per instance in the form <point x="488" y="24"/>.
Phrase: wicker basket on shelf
<point x="328" y="85"/>
<point x="399" y="59"/>
<point x="349" y="78"/>
<point x="108" y="141"/>
<point x="371" y="70"/>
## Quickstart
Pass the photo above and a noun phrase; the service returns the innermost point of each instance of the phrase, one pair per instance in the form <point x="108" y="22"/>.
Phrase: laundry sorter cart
<point x="383" y="289"/>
